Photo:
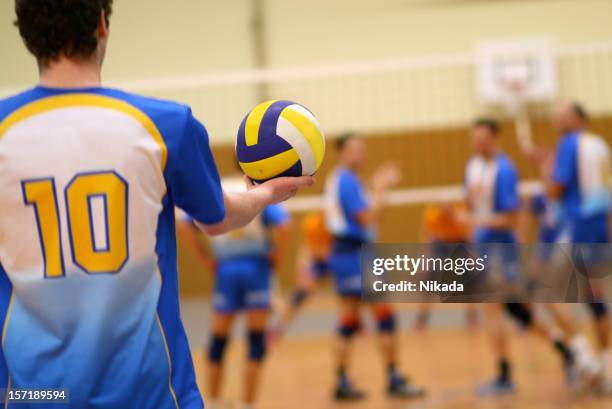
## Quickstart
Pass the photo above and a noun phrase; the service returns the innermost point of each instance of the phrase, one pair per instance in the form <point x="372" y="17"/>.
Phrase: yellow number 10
<point x="79" y="194"/>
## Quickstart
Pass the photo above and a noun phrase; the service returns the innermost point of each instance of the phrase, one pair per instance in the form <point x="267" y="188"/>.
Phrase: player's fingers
<point x="294" y="183"/>
<point x="249" y="183"/>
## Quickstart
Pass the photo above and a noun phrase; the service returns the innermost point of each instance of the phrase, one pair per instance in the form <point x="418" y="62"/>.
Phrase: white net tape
<point x="375" y="96"/>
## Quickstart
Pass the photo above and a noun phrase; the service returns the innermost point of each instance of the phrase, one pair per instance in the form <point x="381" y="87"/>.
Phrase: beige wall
<point x="154" y="39"/>
<point x="151" y="38"/>
<point x="320" y="31"/>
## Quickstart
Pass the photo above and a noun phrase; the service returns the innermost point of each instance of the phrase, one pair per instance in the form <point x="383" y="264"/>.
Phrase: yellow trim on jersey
<point x="163" y="334"/>
<point x="253" y="122"/>
<point x="272" y="166"/>
<point x="4" y="327"/>
<point x="9" y="385"/>
<point x="7" y="316"/>
<point x="92" y="100"/>
<point x="309" y="130"/>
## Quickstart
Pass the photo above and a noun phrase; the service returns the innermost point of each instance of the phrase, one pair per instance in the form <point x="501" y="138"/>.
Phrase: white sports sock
<point x="583" y="354"/>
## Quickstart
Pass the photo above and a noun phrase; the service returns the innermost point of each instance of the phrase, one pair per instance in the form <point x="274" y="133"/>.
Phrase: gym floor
<point x="447" y="358"/>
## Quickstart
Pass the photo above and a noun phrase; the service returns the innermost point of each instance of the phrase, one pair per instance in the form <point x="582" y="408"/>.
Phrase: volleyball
<point x="279" y="138"/>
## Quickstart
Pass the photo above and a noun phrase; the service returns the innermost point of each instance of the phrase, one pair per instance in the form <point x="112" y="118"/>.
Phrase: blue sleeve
<point x="352" y="198"/>
<point x="507" y="190"/>
<point x="193" y="178"/>
<point x="274" y="215"/>
<point x="565" y="162"/>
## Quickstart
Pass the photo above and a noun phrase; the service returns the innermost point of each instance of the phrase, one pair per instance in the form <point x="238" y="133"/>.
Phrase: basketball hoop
<point x="514" y="73"/>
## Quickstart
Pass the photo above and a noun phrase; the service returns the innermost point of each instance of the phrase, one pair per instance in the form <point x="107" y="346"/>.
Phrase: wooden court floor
<point x="449" y="362"/>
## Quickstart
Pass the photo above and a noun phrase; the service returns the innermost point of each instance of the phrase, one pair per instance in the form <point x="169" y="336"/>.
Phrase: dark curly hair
<point x="54" y="28"/>
<point x="491" y="124"/>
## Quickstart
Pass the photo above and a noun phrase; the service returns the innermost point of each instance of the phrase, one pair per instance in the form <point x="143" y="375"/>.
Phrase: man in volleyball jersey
<point x="244" y="260"/>
<point x="580" y="182"/>
<point x="582" y="368"/>
<point x="89" y="179"/>
<point x="351" y="218"/>
<point x="492" y="194"/>
<point x="491" y="184"/>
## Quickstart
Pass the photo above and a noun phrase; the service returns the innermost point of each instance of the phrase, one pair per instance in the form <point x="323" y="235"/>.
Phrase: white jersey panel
<point x="86" y="140"/>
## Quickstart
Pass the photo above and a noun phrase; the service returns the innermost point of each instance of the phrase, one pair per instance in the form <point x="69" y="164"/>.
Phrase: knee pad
<point x="257" y="346"/>
<point x="386" y="323"/>
<point x="216" y="349"/>
<point x="348" y="327"/>
<point x="520" y="313"/>
<point x="385" y="319"/>
<point x="598" y="309"/>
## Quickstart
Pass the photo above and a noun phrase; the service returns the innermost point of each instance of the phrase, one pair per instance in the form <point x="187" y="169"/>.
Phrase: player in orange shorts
<point x="444" y="225"/>
<point x="312" y="263"/>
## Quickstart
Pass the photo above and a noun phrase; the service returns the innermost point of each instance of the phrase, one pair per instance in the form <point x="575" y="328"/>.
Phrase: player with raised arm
<point x="89" y="179"/>
<point x="351" y="218"/>
<point x="492" y="196"/>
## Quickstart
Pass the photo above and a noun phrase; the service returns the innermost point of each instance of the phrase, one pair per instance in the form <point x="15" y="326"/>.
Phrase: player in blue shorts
<point x="351" y="218"/>
<point x="491" y="183"/>
<point x="89" y="178"/>
<point x="580" y="182"/>
<point x="581" y="365"/>
<point x="243" y="261"/>
<point x="492" y="196"/>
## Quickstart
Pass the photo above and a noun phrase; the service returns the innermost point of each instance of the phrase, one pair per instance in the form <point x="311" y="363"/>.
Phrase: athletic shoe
<point x="498" y="387"/>
<point x="401" y="388"/>
<point x="345" y="392"/>
<point x="590" y="372"/>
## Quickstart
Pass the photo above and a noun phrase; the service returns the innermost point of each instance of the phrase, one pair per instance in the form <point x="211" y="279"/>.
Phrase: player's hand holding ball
<point x="280" y="145"/>
<point x="280" y="189"/>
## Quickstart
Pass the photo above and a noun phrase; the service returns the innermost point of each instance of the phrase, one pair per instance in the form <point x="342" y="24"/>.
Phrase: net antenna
<point x="514" y="73"/>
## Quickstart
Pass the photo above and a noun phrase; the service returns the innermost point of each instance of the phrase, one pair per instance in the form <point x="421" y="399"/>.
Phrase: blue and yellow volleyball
<point x="279" y="138"/>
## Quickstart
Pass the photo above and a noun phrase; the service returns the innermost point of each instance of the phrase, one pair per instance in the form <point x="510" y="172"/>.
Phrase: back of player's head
<point x="579" y="111"/>
<point x="342" y="140"/>
<point x="490" y="124"/>
<point x="54" y="28"/>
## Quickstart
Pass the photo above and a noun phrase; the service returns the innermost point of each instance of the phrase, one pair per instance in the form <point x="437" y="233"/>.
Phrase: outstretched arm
<point x="241" y="208"/>
<point x="386" y="176"/>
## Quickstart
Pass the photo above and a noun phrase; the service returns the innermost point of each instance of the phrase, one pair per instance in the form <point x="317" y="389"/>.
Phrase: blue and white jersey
<point x="550" y="223"/>
<point x="492" y="188"/>
<point x="88" y="278"/>
<point x="345" y="198"/>
<point x="253" y="240"/>
<point x="582" y="167"/>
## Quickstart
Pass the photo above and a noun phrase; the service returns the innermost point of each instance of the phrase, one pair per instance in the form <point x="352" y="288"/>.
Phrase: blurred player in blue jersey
<point x="491" y="184"/>
<point x="581" y="366"/>
<point x="351" y="217"/>
<point x="89" y="179"/>
<point x="492" y="193"/>
<point x="244" y="260"/>
<point x="580" y="182"/>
